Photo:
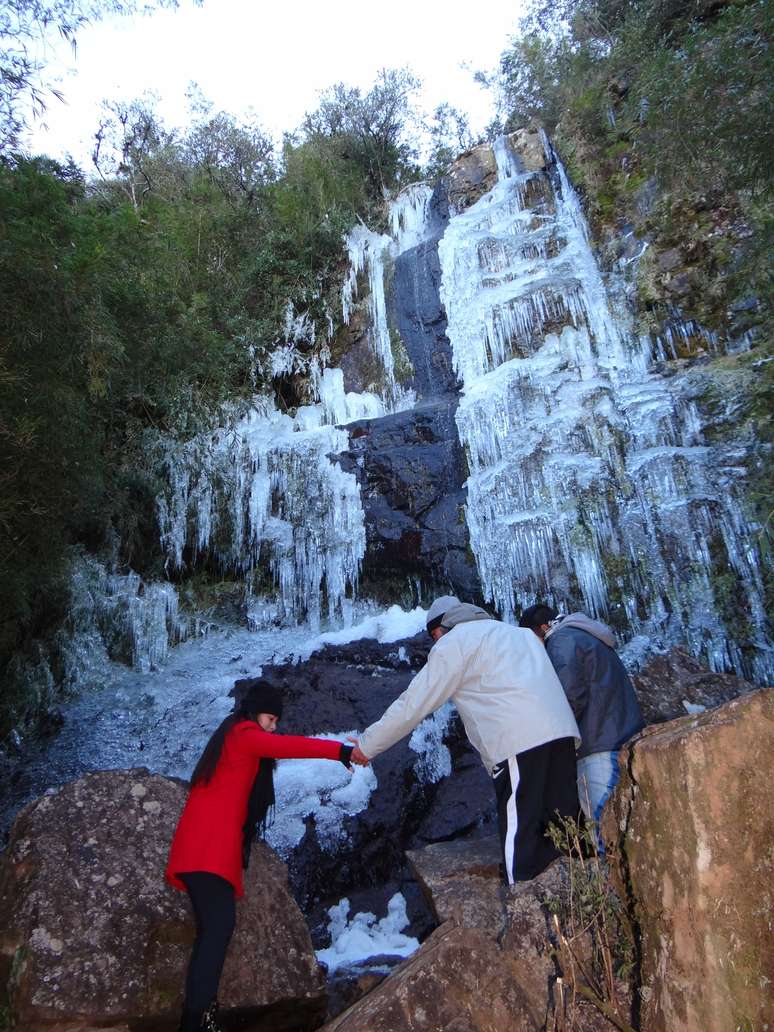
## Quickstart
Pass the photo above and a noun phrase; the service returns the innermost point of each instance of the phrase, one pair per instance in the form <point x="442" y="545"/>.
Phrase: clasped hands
<point x="359" y="758"/>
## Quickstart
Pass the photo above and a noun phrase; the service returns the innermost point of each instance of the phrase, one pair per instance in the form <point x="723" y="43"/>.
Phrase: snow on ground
<point x="321" y="789"/>
<point x="390" y="625"/>
<point x="356" y="940"/>
<point x="161" y="719"/>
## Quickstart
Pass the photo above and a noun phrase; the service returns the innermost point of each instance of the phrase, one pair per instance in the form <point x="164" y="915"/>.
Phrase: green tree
<point x="49" y="437"/>
<point x="236" y="158"/>
<point x="687" y="85"/>
<point x="127" y="145"/>
<point x="370" y="129"/>
<point x="449" y="134"/>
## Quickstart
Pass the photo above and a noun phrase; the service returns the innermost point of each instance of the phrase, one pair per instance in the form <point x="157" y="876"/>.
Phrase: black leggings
<point x="214" y="907"/>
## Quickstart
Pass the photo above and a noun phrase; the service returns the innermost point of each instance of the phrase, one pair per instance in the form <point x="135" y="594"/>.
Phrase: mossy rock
<point x="403" y="369"/>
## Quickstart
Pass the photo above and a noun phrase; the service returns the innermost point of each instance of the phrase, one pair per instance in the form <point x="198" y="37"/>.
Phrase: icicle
<point x="434" y="761"/>
<point x="266" y="494"/>
<point x="589" y="474"/>
<point x="370" y="253"/>
<point x="122" y="616"/>
<point x="408" y="216"/>
<point x="367" y="252"/>
<point x="507" y="164"/>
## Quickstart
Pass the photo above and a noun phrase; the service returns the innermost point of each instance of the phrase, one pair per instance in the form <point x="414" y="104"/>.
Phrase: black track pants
<point x="214" y="907"/>
<point x="530" y="788"/>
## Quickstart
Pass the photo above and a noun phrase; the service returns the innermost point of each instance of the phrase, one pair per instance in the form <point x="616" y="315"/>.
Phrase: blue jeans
<point x="597" y="777"/>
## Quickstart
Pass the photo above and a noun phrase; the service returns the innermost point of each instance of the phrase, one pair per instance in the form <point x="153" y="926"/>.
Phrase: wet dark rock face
<point x="410" y="465"/>
<point x="411" y="471"/>
<point x="419" y="316"/>
<point x="351" y="686"/>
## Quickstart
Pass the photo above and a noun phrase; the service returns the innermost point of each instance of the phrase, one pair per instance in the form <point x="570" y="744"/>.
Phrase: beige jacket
<point x="501" y="681"/>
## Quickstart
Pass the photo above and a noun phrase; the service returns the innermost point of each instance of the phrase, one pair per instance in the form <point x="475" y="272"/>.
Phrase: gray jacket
<point x="595" y="682"/>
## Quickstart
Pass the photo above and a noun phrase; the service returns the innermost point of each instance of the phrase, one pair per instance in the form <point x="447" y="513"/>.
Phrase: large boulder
<point x="459" y="981"/>
<point x="694" y="820"/>
<point x="488" y="967"/>
<point x="92" y="936"/>
<point x="462" y="880"/>
<point x="473" y="174"/>
<point x="672" y="682"/>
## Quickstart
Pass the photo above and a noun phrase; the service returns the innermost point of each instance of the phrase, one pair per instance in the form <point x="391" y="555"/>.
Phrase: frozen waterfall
<point x="371" y="256"/>
<point x="262" y="496"/>
<point x="589" y="476"/>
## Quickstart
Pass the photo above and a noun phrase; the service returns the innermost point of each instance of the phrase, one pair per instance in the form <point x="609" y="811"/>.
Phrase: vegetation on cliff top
<point x="683" y="89"/>
<point x="661" y="112"/>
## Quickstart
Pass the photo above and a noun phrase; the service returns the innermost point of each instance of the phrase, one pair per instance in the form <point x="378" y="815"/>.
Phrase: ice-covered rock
<point x="263" y="493"/>
<point x="590" y="476"/>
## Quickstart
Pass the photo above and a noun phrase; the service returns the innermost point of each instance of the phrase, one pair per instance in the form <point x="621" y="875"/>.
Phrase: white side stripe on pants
<point x="512" y="819"/>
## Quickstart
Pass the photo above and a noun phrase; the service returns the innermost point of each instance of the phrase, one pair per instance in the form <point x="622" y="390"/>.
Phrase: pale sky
<point x="272" y="58"/>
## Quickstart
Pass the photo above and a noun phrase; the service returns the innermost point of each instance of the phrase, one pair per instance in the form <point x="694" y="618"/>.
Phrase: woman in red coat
<point x="232" y="793"/>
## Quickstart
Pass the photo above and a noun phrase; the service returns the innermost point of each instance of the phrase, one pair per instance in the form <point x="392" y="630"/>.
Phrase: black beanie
<point x="257" y="695"/>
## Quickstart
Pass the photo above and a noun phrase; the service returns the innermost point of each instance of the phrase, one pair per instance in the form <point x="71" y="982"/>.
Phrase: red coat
<point x="209" y="832"/>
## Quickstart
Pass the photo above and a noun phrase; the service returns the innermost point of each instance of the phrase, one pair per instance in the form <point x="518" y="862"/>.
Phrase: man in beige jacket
<point x="515" y="713"/>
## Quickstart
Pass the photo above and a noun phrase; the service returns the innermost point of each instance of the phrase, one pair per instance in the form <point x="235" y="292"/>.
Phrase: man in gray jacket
<point x="515" y="714"/>
<point x="599" y="690"/>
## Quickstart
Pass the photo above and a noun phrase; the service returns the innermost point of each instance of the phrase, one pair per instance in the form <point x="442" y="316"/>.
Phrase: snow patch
<point x="355" y="941"/>
<point x="391" y="625"/>
<point x="434" y="760"/>
<point x="319" y="789"/>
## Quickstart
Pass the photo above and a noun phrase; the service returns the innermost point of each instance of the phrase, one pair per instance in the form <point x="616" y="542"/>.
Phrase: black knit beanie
<point x="258" y="695"/>
<point x="254" y="695"/>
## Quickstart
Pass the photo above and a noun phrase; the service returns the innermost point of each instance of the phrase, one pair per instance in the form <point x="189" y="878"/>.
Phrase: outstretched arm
<point x="258" y="742"/>
<point x="436" y="682"/>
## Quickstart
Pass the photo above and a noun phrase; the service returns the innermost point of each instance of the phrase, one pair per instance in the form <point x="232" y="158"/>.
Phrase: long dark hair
<point x="208" y="761"/>
<point x="252" y="696"/>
